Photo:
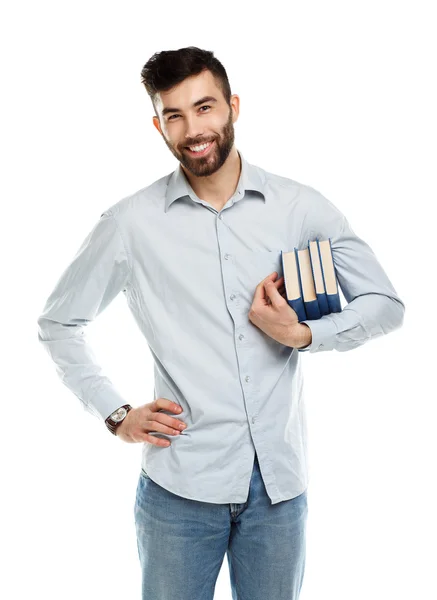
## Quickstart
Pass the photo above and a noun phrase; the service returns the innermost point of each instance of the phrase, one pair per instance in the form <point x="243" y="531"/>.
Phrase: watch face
<point x="119" y="415"/>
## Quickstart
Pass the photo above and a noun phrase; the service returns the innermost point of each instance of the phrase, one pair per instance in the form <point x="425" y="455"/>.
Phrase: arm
<point x="373" y="308"/>
<point x="97" y="273"/>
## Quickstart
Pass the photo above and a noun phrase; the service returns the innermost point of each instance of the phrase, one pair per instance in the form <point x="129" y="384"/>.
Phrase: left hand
<point x="270" y="310"/>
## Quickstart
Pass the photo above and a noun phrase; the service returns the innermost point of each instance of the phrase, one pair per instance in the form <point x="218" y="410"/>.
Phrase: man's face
<point x="209" y="121"/>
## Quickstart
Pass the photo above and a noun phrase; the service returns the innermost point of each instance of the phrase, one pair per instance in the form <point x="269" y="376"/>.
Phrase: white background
<point x="337" y="95"/>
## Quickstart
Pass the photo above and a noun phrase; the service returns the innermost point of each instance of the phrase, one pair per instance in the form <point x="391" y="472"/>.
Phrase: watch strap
<point x="111" y="424"/>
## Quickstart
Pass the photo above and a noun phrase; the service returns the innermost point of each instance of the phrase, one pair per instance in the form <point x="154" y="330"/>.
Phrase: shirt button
<point x="247" y="378"/>
<point x="227" y="256"/>
<point x="320" y="345"/>
<point x="232" y="296"/>
<point x="241" y="336"/>
<point x="220" y="216"/>
<point x="253" y="420"/>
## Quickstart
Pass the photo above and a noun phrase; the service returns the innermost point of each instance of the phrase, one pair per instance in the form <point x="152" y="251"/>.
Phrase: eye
<point x="177" y="115"/>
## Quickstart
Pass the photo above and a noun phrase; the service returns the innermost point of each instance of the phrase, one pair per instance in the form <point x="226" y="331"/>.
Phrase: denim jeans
<point x="182" y="543"/>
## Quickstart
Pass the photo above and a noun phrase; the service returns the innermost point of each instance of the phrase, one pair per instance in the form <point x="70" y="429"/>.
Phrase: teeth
<point x="199" y="148"/>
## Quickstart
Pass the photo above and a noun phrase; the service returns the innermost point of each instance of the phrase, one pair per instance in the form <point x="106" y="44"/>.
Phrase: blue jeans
<point x="182" y="543"/>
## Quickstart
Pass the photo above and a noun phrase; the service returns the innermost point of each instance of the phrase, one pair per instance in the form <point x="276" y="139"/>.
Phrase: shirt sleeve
<point x="98" y="272"/>
<point x="373" y="306"/>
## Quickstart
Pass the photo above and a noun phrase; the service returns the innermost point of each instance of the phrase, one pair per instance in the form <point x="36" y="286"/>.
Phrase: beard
<point x="203" y="166"/>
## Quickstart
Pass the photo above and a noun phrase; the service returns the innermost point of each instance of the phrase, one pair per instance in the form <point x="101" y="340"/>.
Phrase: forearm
<point x="98" y="272"/>
<point x="300" y="336"/>
<point x="366" y="317"/>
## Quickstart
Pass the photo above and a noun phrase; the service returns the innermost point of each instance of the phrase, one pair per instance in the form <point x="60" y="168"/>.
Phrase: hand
<point x="142" y="419"/>
<point x="271" y="312"/>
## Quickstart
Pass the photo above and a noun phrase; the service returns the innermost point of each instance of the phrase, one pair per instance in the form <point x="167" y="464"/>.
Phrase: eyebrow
<point x="197" y="103"/>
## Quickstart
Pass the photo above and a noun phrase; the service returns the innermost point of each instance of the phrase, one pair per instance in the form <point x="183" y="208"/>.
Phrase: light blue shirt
<point x="189" y="273"/>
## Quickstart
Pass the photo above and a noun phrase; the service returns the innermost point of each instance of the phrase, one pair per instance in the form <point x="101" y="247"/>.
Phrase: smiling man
<point x="200" y="134"/>
<point x="197" y="254"/>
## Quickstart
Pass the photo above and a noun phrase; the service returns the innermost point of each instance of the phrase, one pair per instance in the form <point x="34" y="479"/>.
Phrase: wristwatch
<point x="115" y="418"/>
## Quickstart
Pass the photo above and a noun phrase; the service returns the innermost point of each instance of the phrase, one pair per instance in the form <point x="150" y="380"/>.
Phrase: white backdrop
<point x="337" y="95"/>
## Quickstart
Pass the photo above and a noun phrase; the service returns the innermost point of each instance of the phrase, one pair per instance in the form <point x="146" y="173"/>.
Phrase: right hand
<point x="139" y="421"/>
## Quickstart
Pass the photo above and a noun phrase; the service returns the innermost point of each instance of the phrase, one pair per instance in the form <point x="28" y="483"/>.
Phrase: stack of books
<point x="310" y="280"/>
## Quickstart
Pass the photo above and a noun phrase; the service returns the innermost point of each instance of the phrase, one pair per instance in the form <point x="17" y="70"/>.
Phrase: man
<point x="197" y="254"/>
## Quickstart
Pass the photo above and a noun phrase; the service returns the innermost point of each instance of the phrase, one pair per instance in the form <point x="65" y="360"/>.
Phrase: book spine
<point x="299" y="302"/>
<point x="311" y="306"/>
<point x="323" y="300"/>
<point x="333" y="299"/>
<point x="296" y="303"/>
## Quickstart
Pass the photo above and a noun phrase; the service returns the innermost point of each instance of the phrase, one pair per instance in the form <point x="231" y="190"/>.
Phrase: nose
<point x="194" y="131"/>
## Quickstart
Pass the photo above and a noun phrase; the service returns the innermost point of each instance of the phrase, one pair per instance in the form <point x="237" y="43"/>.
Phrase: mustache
<point x="198" y="143"/>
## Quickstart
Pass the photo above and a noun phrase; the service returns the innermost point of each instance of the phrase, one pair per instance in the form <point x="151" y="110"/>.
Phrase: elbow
<point x="50" y="329"/>
<point x="398" y="310"/>
<point x="392" y="317"/>
<point x="388" y="316"/>
<point x="46" y="328"/>
<point x="41" y="327"/>
<point x="46" y="331"/>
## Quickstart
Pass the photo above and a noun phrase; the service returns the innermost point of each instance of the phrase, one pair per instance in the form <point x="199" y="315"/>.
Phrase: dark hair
<point x="168" y="68"/>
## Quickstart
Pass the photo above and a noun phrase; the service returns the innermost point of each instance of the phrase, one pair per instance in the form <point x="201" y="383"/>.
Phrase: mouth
<point x="201" y="152"/>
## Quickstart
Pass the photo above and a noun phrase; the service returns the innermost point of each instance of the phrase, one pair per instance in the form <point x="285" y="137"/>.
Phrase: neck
<point x="221" y="185"/>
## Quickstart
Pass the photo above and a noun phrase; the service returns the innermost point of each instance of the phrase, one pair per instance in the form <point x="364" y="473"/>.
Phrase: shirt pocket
<point x="252" y="267"/>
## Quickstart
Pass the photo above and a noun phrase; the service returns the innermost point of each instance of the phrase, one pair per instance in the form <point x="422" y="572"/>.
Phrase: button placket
<point x="234" y="297"/>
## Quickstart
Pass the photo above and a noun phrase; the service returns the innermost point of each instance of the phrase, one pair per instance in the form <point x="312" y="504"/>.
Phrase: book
<point x="310" y="280"/>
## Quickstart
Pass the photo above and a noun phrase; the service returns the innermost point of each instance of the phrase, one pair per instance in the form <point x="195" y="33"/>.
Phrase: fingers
<point x="148" y="419"/>
<point x="280" y="286"/>
<point x="153" y="440"/>
<point x="162" y="423"/>
<point x="144" y="420"/>
<point x="158" y="426"/>
<point x="163" y="403"/>
<point x="260" y="290"/>
<point x="145" y="435"/>
<point x="168" y="421"/>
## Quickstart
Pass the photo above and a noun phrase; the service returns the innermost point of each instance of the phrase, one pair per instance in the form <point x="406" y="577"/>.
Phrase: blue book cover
<point x="318" y="264"/>
<point x="329" y="276"/>
<point x="306" y="280"/>
<point x="319" y="282"/>
<point x="296" y="303"/>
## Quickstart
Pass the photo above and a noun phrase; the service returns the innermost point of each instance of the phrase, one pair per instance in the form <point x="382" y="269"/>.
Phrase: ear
<point x="235" y="104"/>
<point x="157" y="124"/>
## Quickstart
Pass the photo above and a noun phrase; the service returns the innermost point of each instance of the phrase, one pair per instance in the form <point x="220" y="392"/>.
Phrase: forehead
<point x="185" y="94"/>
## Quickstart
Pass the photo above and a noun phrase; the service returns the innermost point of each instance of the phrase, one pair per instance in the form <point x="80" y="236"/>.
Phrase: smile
<point x="202" y="149"/>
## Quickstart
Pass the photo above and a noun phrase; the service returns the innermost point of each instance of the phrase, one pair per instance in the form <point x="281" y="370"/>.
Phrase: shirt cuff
<point x="105" y="402"/>
<point x="324" y="332"/>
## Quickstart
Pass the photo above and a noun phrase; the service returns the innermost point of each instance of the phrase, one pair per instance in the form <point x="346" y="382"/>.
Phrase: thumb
<point x="272" y="293"/>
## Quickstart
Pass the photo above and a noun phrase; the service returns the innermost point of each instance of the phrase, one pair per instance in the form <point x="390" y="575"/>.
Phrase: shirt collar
<point x="251" y="178"/>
